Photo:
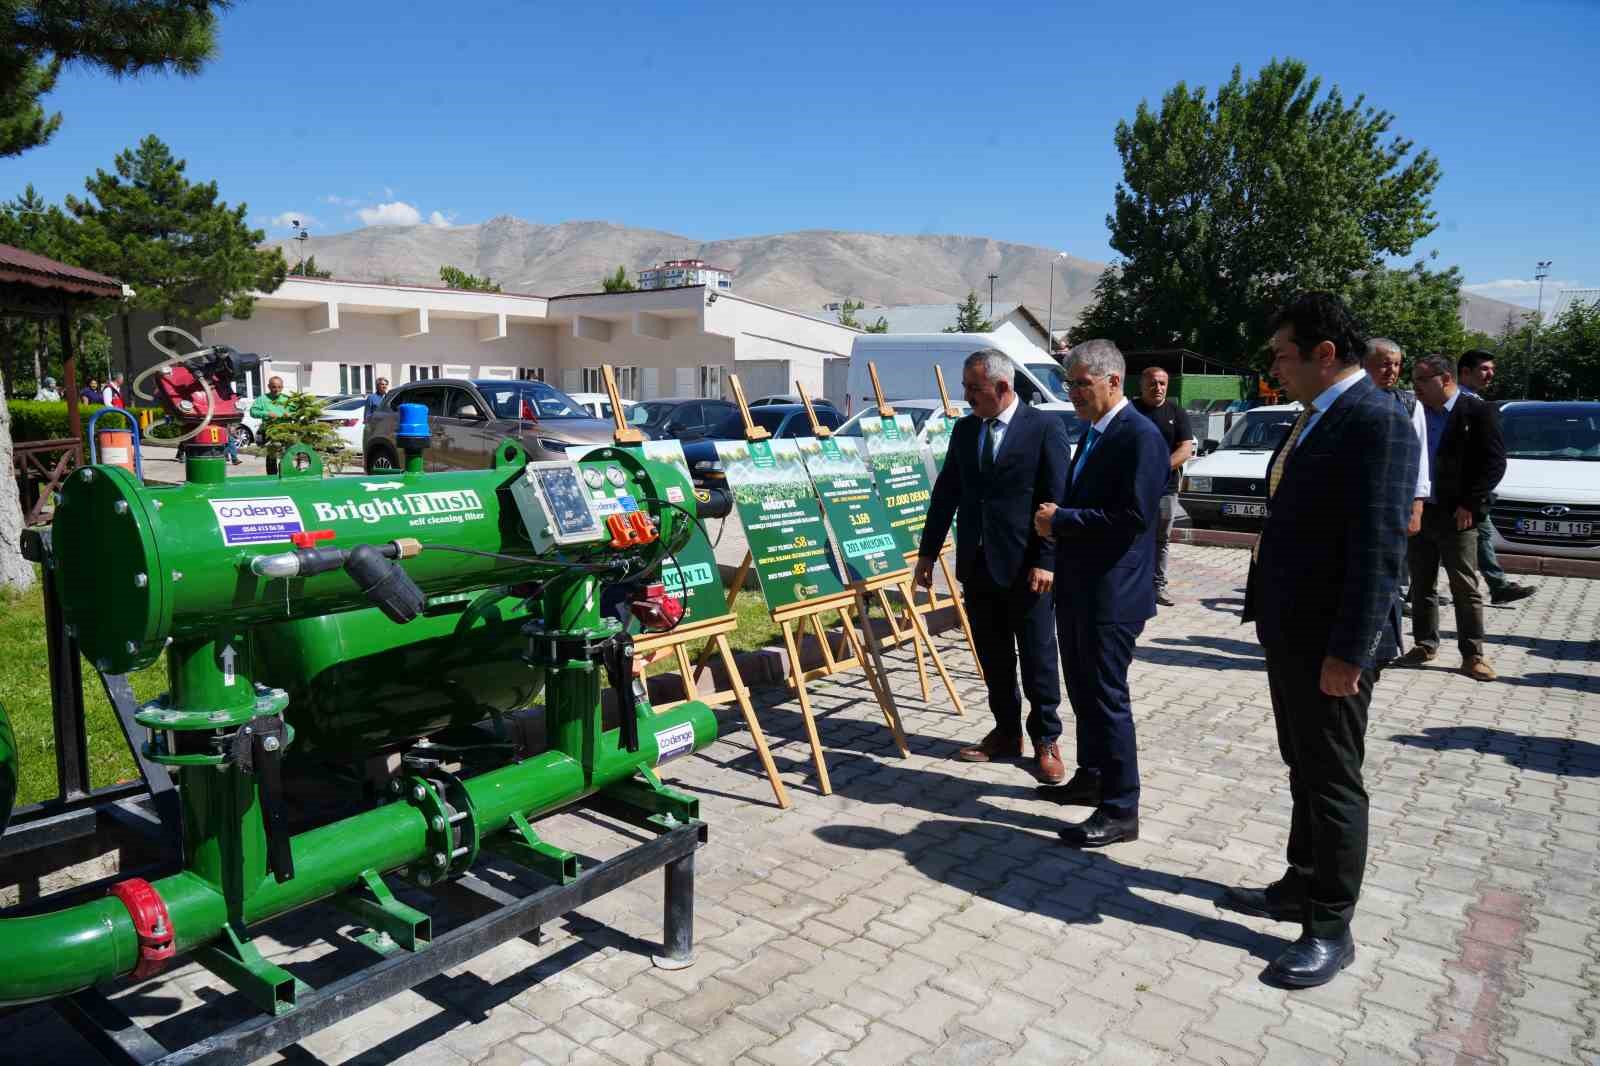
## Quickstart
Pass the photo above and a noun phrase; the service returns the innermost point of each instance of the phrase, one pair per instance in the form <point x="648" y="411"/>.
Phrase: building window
<point x="416" y="372"/>
<point x="711" y="382"/>
<point x="530" y="373"/>
<point x="356" y="378"/>
<point x="629" y="380"/>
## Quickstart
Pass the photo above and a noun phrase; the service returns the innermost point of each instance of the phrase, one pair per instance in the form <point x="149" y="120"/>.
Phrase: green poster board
<point x="782" y="521"/>
<point x="937" y="431"/>
<point x="691" y="574"/>
<point x="901" y="475"/>
<point x="863" y="532"/>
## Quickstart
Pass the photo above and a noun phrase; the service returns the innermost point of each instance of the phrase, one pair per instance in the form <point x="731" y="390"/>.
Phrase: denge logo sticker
<point x="261" y="520"/>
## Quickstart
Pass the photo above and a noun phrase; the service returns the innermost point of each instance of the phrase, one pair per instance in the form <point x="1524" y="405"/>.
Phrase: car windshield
<point x="650" y="413"/>
<point x="1053" y="376"/>
<point x="732" y="427"/>
<point x="1570" y="434"/>
<point x="355" y="403"/>
<point x="1259" y="431"/>
<point x="530" y="399"/>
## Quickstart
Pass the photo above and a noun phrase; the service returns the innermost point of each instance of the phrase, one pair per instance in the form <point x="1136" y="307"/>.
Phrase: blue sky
<point x="732" y="120"/>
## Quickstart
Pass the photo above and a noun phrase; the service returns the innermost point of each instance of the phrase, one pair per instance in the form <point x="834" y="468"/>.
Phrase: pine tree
<point x="618" y="282"/>
<point x="120" y="37"/>
<point x="307" y="268"/>
<point x="185" y="253"/>
<point x="969" y="317"/>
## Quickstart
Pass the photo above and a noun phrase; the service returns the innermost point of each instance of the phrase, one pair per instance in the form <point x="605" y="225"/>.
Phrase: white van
<point x="905" y="363"/>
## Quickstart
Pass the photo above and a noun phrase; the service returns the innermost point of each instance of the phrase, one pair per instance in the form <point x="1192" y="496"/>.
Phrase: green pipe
<point x="10" y="769"/>
<point x="63" y="951"/>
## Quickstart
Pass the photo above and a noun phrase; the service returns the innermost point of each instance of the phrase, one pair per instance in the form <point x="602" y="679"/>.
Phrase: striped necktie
<point x="1275" y="475"/>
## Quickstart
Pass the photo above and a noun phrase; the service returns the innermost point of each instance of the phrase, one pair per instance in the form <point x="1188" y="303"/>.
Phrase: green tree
<point x="307" y="268"/>
<point x="301" y="424"/>
<point x="1231" y="204"/>
<point x="456" y="278"/>
<point x="120" y="37"/>
<point x="847" y="313"/>
<point x="185" y="253"/>
<point x="618" y="282"/>
<point x="1418" y="308"/>
<point x="969" y="317"/>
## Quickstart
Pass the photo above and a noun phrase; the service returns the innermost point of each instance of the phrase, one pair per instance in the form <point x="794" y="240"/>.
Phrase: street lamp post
<point x="1050" y="315"/>
<point x="992" y="278"/>
<point x="1540" y="272"/>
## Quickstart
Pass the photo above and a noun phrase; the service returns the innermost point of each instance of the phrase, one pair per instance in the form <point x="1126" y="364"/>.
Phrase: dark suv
<point x="469" y="419"/>
<point x="782" y="420"/>
<point x="682" y="419"/>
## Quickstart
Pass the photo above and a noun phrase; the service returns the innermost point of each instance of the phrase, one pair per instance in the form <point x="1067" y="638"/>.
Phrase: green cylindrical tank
<point x="357" y="683"/>
<point x="10" y="769"/>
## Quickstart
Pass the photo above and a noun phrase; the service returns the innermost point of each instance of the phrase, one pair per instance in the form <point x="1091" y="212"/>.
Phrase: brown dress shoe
<point x="994" y="745"/>
<point x="1050" y="770"/>
<point x="1478" y="670"/>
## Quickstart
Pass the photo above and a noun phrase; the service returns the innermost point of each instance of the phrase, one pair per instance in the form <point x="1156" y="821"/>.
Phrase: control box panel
<point x="556" y="507"/>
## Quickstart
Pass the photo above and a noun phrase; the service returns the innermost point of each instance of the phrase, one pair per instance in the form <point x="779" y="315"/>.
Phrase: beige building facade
<point x="326" y="336"/>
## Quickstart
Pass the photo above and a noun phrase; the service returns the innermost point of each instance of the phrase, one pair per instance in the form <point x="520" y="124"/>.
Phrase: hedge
<point x="47" y="419"/>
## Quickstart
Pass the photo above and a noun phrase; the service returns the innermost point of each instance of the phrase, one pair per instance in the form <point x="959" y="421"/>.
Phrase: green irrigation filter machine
<point x="382" y="643"/>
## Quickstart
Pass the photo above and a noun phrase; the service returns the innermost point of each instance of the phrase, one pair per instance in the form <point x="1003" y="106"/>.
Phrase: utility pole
<point x="301" y="236"/>
<point x="992" y="279"/>
<point x="1050" y="316"/>
<point x="1540" y="272"/>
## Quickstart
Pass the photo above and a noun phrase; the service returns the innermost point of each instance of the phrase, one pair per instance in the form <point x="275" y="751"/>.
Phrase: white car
<point x="918" y="410"/>
<point x="598" y="404"/>
<point x="1548" y="503"/>
<point x="1230" y="484"/>
<point x="347" y="416"/>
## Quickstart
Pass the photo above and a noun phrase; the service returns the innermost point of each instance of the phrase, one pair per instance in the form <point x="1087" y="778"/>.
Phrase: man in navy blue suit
<point x="1105" y="534"/>
<point x="1321" y="586"/>
<point x="1005" y="459"/>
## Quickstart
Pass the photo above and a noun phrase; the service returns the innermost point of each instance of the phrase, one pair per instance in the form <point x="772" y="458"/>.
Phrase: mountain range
<point x="802" y="270"/>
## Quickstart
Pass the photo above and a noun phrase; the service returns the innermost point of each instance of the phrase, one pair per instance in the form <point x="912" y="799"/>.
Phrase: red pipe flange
<point x="150" y="920"/>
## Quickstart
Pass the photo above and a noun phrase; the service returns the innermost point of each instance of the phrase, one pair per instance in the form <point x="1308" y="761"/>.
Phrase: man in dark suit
<point x="1005" y="459"/>
<point x="1105" y="534"/>
<point x="1467" y="459"/>
<point x="1321" y="586"/>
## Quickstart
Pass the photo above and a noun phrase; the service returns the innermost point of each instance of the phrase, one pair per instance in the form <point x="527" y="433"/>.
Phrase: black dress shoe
<point x="1511" y="592"/>
<point x="1311" y="961"/>
<point x="1100" y="829"/>
<point x="1082" y="791"/>
<point x="1262" y="904"/>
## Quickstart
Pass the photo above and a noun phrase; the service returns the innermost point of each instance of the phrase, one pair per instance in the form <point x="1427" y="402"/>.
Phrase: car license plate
<point x="1249" y="510"/>
<point x="1554" y="529"/>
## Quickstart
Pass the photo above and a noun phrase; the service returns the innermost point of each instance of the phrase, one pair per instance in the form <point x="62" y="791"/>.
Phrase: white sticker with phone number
<point x="671" y="743"/>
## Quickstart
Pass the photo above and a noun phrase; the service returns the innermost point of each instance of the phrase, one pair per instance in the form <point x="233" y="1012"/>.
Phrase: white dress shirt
<point x="998" y="432"/>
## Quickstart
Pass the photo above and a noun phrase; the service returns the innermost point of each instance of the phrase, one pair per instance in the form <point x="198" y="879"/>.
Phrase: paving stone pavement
<point x="925" y="912"/>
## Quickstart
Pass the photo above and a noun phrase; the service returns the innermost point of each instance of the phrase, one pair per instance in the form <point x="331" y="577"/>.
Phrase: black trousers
<point x="1011" y="625"/>
<point x="1323" y="741"/>
<point x="1095" y="658"/>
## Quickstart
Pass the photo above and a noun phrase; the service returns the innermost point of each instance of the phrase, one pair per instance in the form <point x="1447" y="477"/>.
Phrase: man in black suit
<point x="1005" y="460"/>
<point x="1474" y="374"/>
<point x="1467" y="459"/>
<point x="1105" y="534"/>
<point x="1321" y="586"/>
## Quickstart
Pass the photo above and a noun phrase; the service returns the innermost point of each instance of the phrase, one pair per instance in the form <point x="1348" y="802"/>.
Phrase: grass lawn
<point x="25" y="693"/>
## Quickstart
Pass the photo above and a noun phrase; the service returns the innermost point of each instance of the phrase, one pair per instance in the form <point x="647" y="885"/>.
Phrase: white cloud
<point x="394" y="213"/>
<point x="439" y="218"/>
<point x="286" y="220"/>
<point x="1523" y="292"/>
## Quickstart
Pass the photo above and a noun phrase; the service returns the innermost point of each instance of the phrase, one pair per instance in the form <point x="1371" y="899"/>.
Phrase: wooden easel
<point x="714" y="630"/>
<point x="791" y="620"/>
<point x="934" y="602"/>
<point x="896" y="581"/>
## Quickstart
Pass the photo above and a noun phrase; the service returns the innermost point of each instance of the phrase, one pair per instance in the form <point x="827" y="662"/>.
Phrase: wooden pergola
<point x="36" y="286"/>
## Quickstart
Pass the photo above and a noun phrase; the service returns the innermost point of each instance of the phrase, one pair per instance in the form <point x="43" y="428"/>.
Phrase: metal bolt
<point x="438" y="824"/>
<point x="395" y="786"/>
<point x="72" y="630"/>
<point x="269" y="743"/>
<point x="132" y="647"/>
<point x="177" y="575"/>
<point x="418" y="792"/>
<point x="141" y="580"/>
<point x="121" y="507"/>
<point x="156" y="504"/>
<point x="440" y="859"/>
<point x="88" y="475"/>
<point x="159" y="927"/>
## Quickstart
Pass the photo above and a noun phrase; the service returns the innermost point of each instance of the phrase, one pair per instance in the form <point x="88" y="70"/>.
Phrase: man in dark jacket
<point x="1321" y="586"/>
<point x="1466" y="460"/>
<point x="1005" y="460"/>
<point x="1105" y="534"/>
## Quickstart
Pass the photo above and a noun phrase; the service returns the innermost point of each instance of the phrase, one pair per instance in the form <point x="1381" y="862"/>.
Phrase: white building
<point x="327" y="336"/>
<point x="676" y="272"/>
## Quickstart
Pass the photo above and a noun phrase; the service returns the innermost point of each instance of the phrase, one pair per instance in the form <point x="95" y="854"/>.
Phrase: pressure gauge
<point x="594" y="478"/>
<point x="615" y="475"/>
